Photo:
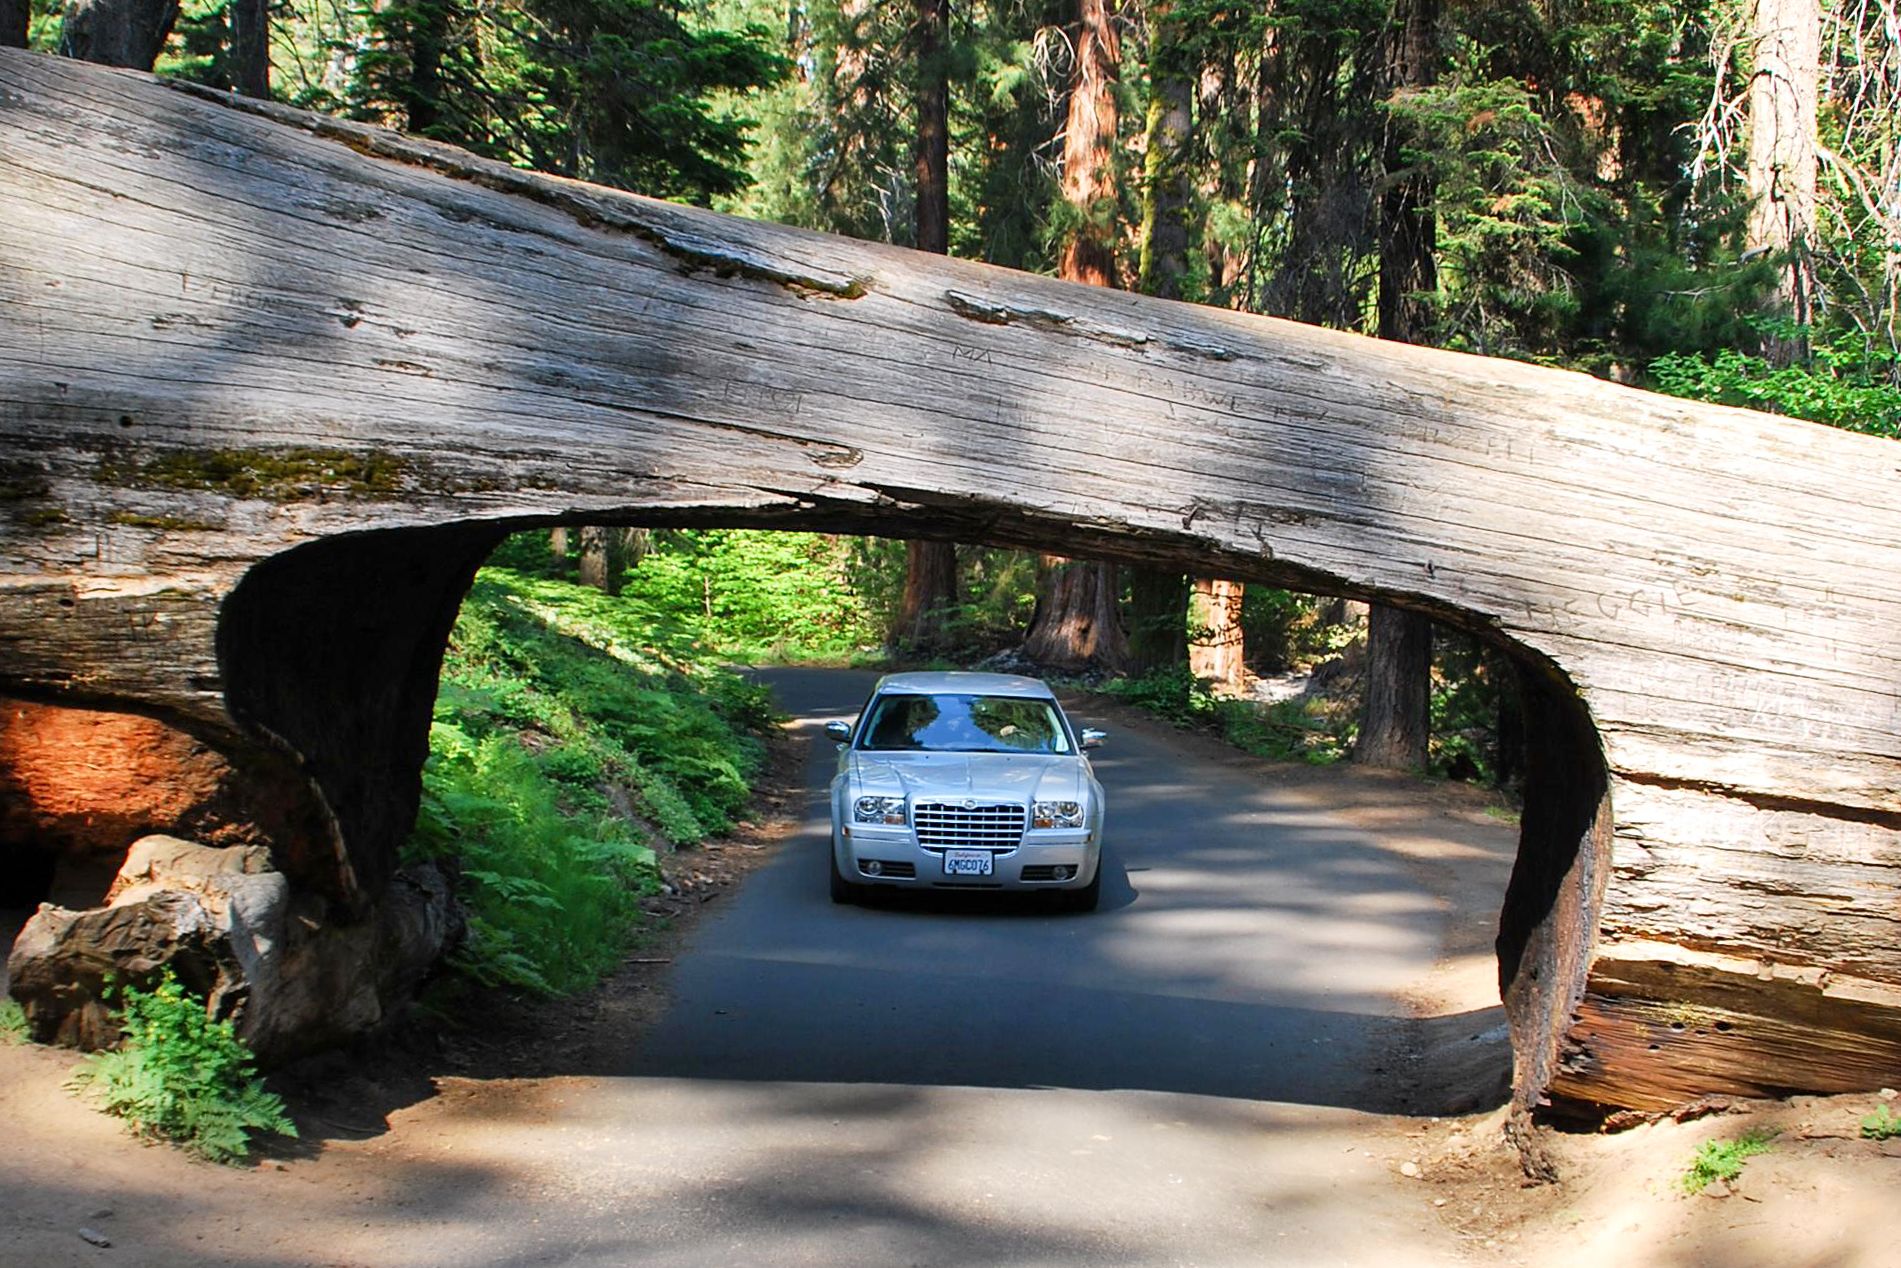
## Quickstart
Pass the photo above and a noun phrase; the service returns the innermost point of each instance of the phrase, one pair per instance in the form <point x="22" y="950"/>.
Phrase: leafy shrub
<point x="182" y="1077"/>
<point x="1317" y="730"/>
<point x="1843" y="385"/>
<point x="1883" y="1124"/>
<point x="552" y="894"/>
<point x="13" y="1028"/>
<point x="1722" y="1159"/>
<point x="570" y="738"/>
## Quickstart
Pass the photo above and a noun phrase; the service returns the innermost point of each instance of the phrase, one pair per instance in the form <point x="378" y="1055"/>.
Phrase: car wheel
<point x="843" y="891"/>
<point x="1084" y="899"/>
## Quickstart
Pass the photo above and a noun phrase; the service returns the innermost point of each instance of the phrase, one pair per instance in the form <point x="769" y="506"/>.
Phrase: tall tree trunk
<point x="931" y="157"/>
<point x="1076" y="621"/>
<point x="1216" y="652"/>
<point x="15" y="16"/>
<point x="930" y="595"/>
<point x="1408" y="228"/>
<point x="1165" y="189"/>
<point x="117" y="32"/>
<point x="1781" y="169"/>
<point x="251" y="47"/>
<point x="1076" y="624"/>
<point x="428" y="39"/>
<point x="930" y="568"/>
<point x="1089" y="138"/>
<point x="1158" y="601"/>
<point x="635" y="544"/>
<point x="601" y="559"/>
<point x="1395" y="720"/>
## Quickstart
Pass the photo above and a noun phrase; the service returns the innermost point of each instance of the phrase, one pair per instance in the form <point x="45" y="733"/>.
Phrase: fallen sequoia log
<point x="271" y="385"/>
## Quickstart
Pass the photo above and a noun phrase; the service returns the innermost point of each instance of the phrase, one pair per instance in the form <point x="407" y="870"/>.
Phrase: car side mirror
<point x="1093" y="738"/>
<point x="840" y="731"/>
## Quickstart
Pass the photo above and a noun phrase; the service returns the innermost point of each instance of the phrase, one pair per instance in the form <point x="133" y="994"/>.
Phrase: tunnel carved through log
<point x="235" y="333"/>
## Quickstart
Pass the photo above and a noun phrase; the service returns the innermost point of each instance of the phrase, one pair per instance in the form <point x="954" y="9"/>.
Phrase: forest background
<point x="1701" y="198"/>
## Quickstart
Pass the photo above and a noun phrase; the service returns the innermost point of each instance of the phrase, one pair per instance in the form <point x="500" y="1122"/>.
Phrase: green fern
<point x="182" y="1077"/>
<point x="1883" y="1124"/>
<point x="1722" y="1159"/>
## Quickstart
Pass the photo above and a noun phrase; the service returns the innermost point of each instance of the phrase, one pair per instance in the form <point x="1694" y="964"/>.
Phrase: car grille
<point x="947" y="827"/>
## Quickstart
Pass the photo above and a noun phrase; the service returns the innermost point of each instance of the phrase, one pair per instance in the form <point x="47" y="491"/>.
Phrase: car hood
<point x="1008" y="776"/>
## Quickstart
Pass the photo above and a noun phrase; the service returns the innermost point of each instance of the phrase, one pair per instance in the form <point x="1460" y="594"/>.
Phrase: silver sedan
<point x="965" y="781"/>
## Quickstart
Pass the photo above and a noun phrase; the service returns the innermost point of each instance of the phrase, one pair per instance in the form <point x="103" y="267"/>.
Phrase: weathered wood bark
<point x="252" y="372"/>
<point x="117" y="32"/>
<point x="1218" y="650"/>
<point x="1780" y="170"/>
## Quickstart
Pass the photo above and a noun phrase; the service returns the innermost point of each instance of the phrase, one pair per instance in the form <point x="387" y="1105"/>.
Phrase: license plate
<point x="966" y="862"/>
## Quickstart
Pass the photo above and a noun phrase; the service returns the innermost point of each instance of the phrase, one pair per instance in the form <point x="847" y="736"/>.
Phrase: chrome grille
<point x="944" y="826"/>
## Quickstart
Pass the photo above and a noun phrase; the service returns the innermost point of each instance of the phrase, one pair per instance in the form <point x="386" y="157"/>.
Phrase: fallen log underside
<point x="272" y="385"/>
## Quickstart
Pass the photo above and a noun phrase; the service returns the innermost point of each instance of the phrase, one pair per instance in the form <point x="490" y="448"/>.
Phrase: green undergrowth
<point x="1883" y="1124"/>
<point x="182" y="1077"/>
<point x="1722" y="1160"/>
<point x="571" y="741"/>
<point x="13" y="1028"/>
<point x="738" y="595"/>
<point x="1315" y="730"/>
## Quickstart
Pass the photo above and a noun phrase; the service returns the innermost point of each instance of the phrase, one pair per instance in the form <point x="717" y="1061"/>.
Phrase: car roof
<point x="960" y="682"/>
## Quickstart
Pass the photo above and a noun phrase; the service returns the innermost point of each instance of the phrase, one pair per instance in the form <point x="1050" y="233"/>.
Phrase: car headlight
<point x="1057" y="814"/>
<point x="878" y="810"/>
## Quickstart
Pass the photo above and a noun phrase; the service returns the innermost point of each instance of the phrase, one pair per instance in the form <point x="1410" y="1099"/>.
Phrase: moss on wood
<point x="163" y="523"/>
<point x="275" y="475"/>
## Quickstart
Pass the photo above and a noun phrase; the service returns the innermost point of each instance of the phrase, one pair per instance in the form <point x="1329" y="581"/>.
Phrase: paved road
<point x="1245" y="948"/>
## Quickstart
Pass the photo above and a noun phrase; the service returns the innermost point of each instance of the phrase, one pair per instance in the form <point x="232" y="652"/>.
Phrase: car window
<point x="964" y="724"/>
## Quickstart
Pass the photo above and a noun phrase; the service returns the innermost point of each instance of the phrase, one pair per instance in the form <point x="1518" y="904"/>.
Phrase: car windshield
<point x="949" y="723"/>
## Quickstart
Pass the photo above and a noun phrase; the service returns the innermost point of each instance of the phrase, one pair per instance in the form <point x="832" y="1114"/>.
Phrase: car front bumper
<point x="902" y="863"/>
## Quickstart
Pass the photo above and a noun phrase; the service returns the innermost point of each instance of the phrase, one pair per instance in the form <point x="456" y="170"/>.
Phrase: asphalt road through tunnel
<point x="1249" y="945"/>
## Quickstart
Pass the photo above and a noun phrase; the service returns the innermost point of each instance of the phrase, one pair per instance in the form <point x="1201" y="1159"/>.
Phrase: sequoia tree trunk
<point x="1218" y="650"/>
<point x="1076" y="624"/>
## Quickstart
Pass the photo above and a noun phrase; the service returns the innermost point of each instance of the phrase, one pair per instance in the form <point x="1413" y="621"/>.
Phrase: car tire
<point x="843" y="891"/>
<point x="1085" y="899"/>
